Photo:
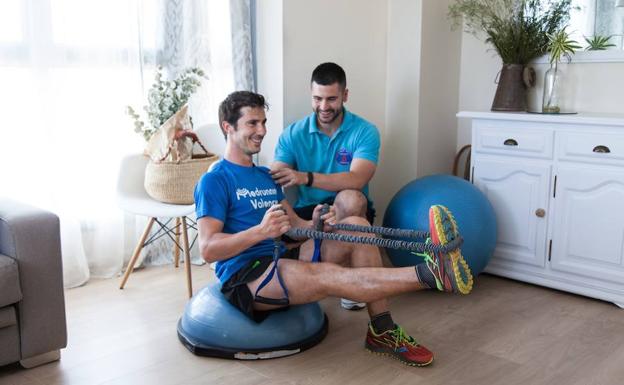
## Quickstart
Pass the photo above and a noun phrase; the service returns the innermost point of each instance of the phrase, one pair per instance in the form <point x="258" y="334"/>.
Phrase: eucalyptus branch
<point x="165" y="98"/>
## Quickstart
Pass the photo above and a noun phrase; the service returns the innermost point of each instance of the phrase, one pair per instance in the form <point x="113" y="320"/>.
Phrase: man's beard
<point x="335" y="115"/>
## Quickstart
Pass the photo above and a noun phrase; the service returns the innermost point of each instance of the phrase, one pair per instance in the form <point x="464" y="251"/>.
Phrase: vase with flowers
<point x="518" y="30"/>
<point x="173" y="169"/>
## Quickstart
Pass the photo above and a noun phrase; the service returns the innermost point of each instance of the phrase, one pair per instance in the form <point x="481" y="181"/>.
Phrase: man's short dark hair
<point x="327" y="74"/>
<point x="230" y="108"/>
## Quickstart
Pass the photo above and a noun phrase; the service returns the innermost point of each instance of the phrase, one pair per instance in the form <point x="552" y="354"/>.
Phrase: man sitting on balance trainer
<point x="241" y="210"/>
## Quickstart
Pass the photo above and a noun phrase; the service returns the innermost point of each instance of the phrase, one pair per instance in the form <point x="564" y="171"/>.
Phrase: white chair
<point x="133" y="198"/>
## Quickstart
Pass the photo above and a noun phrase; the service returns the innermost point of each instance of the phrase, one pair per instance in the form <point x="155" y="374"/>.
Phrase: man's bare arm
<point x="360" y="173"/>
<point x="214" y="245"/>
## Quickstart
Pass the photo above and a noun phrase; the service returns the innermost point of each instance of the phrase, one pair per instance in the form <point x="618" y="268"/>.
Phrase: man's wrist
<point x="310" y="179"/>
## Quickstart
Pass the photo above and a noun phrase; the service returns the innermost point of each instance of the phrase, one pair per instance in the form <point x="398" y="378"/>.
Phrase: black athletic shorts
<point x="238" y="294"/>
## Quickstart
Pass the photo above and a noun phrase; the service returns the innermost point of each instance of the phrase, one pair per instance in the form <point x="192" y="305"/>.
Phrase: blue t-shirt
<point x="238" y="196"/>
<point x="304" y="147"/>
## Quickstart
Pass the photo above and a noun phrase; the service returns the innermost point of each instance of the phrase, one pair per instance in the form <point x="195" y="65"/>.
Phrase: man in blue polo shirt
<point x="330" y="155"/>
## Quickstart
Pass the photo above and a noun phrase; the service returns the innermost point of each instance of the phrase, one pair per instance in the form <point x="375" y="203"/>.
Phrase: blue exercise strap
<point x="316" y="257"/>
<point x="277" y="242"/>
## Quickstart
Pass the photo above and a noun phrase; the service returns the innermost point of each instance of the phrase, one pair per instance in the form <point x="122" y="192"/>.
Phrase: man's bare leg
<point x="348" y="270"/>
<point x="349" y="203"/>
<point x="350" y="255"/>
<point x="309" y="282"/>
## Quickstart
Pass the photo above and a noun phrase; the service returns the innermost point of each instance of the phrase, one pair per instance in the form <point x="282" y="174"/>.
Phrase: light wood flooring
<point x="505" y="332"/>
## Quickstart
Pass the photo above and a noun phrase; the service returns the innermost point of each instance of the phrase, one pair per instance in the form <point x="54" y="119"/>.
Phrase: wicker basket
<point x="172" y="182"/>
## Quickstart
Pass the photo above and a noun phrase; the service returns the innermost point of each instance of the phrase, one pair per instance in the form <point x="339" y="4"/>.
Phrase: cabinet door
<point x="588" y="233"/>
<point x="517" y="190"/>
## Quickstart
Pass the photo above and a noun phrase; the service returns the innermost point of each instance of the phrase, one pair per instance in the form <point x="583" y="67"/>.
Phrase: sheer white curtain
<point x="68" y="68"/>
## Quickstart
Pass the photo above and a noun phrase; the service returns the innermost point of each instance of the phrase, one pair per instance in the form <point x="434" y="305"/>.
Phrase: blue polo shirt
<point x="304" y="147"/>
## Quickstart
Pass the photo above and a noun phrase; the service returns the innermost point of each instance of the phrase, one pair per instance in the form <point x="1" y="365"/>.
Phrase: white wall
<point x="351" y="33"/>
<point x="270" y="69"/>
<point x="421" y="96"/>
<point x="478" y="71"/>
<point x="402" y="65"/>
<point x="399" y="139"/>
<point x="439" y="72"/>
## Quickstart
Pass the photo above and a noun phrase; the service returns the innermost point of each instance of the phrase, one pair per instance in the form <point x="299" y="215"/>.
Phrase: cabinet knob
<point x="540" y="213"/>
<point x="602" y="149"/>
<point x="510" y="142"/>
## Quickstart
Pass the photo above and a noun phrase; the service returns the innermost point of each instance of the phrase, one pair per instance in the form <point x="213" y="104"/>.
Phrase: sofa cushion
<point x="7" y="316"/>
<point x="10" y="291"/>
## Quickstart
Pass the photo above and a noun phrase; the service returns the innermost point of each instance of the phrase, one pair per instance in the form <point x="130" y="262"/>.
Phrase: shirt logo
<point x="254" y="197"/>
<point x="343" y="156"/>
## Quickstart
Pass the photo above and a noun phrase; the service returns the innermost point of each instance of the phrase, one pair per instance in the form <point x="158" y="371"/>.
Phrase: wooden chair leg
<point x="137" y="251"/>
<point x="187" y="258"/>
<point x="176" y="248"/>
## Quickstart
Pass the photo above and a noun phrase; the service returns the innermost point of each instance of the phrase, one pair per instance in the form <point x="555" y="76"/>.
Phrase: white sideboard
<point x="556" y="183"/>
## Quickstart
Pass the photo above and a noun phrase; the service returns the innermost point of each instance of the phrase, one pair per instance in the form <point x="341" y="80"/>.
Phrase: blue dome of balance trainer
<point x="211" y="326"/>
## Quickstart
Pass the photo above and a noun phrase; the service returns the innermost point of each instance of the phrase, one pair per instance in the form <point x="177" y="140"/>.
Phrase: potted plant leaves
<point x="560" y="46"/>
<point x="518" y="31"/>
<point x="598" y="43"/>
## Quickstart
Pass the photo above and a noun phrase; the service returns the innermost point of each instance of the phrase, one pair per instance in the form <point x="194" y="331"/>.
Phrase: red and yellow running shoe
<point x="450" y="270"/>
<point x="397" y="344"/>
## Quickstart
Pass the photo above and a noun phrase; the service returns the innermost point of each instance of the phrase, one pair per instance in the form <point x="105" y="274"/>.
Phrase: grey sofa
<point x="32" y="306"/>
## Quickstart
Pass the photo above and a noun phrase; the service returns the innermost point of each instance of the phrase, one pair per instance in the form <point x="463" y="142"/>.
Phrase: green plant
<point x="598" y="43"/>
<point x="560" y="45"/>
<point x="165" y="98"/>
<point x="517" y="29"/>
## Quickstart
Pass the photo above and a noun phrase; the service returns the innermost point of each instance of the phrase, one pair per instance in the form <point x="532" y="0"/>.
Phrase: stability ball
<point x="211" y="326"/>
<point x="409" y="209"/>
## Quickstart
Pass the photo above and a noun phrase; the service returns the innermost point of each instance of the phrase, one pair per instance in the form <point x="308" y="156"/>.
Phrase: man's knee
<point x="350" y="203"/>
<point x="355" y="220"/>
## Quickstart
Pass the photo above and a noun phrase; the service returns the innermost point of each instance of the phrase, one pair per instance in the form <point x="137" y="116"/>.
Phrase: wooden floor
<point x="505" y="332"/>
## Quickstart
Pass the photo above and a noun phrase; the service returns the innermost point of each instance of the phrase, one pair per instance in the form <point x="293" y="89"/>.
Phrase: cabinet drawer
<point x="591" y="147"/>
<point x="514" y="142"/>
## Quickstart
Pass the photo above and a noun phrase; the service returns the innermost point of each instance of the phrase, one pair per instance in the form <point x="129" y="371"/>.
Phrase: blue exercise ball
<point x="409" y="209"/>
<point x="211" y="326"/>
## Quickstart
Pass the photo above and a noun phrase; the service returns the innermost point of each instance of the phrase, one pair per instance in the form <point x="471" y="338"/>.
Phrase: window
<point x="68" y="69"/>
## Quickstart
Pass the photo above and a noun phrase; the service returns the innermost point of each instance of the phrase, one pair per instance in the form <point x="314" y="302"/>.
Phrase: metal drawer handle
<point x="602" y="149"/>
<point x="510" y="142"/>
<point x="540" y="213"/>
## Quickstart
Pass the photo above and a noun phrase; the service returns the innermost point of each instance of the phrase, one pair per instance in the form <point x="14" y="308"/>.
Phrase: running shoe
<point x="351" y="305"/>
<point x="397" y="344"/>
<point x="450" y="270"/>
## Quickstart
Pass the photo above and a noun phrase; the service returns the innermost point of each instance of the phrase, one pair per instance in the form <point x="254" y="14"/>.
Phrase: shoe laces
<point x="425" y="255"/>
<point x="432" y="265"/>
<point x="400" y="336"/>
